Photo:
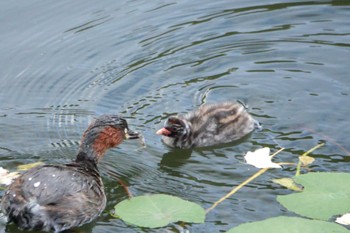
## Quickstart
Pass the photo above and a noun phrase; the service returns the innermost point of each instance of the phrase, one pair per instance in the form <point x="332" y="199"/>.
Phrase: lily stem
<point x="234" y="190"/>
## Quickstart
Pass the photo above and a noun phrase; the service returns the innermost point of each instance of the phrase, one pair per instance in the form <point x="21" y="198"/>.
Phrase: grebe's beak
<point x="129" y="134"/>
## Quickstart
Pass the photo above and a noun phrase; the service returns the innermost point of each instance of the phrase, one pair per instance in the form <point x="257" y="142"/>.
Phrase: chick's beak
<point x="129" y="134"/>
<point x="163" y="131"/>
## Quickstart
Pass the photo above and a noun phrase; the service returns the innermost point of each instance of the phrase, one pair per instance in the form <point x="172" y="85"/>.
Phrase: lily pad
<point x="158" y="210"/>
<point x="325" y="195"/>
<point x="289" y="225"/>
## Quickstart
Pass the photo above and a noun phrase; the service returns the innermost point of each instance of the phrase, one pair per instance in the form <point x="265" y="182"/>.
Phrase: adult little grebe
<point x="59" y="197"/>
<point x="209" y="125"/>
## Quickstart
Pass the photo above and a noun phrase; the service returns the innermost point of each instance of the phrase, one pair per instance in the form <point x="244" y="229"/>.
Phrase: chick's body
<point x="209" y="125"/>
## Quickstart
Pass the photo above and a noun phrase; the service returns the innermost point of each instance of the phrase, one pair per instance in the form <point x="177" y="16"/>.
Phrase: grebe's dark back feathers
<point x="59" y="197"/>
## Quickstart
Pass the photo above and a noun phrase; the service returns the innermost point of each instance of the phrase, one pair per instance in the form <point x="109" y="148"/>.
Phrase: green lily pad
<point x="158" y="210"/>
<point x="324" y="195"/>
<point x="289" y="225"/>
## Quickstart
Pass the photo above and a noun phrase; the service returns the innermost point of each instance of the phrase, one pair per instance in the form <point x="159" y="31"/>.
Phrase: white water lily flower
<point x="6" y="177"/>
<point x="3" y="171"/>
<point x="261" y="158"/>
<point x="344" y="220"/>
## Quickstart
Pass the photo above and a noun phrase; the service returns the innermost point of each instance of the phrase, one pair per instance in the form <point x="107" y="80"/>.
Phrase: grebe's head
<point x="105" y="132"/>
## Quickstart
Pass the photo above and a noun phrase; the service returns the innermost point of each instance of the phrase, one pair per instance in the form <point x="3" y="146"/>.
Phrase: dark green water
<point x="64" y="62"/>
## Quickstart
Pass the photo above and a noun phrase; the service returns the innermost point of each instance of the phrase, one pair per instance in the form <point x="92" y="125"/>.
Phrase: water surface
<point x="63" y="63"/>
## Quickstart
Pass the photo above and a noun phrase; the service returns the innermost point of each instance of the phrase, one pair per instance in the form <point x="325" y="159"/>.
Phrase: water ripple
<point x="67" y="63"/>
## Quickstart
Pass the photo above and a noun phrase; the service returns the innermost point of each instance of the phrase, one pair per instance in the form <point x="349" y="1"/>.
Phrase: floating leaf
<point x="324" y="195"/>
<point x="261" y="158"/>
<point x="306" y="160"/>
<point x="306" y="154"/>
<point x="28" y="166"/>
<point x="288" y="183"/>
<point x="158" y="210"/>
<point x="344" y="220"/>
<point x="289" y="225"/>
